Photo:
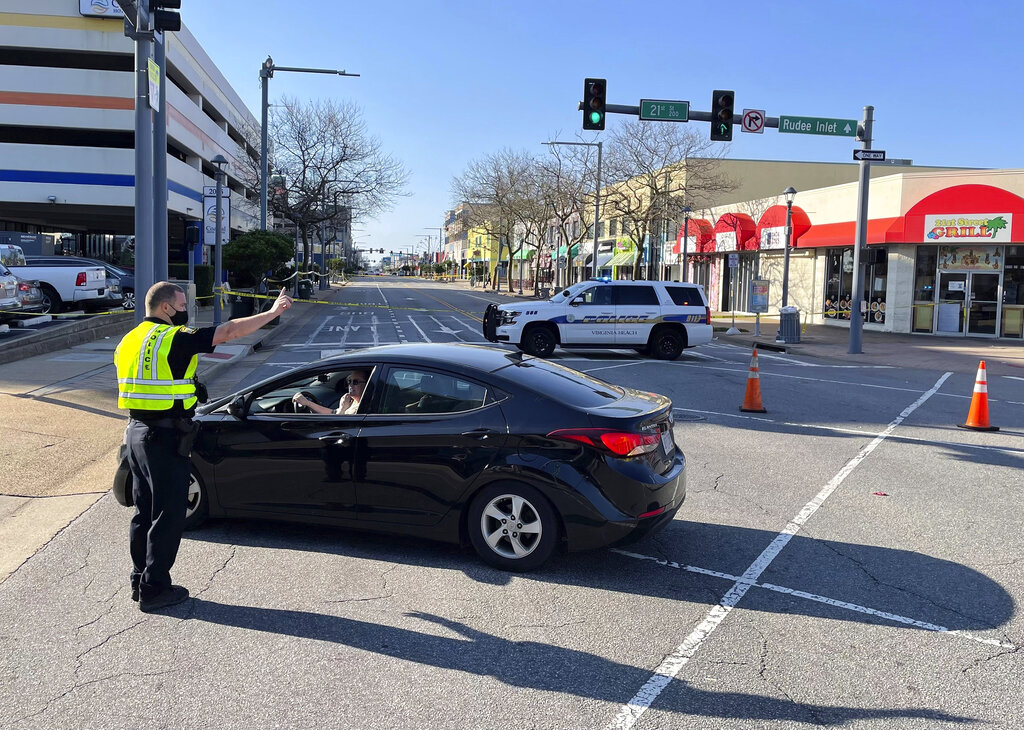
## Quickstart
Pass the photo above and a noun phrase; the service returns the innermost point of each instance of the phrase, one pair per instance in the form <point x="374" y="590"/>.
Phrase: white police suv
<point x="659" y="318"/>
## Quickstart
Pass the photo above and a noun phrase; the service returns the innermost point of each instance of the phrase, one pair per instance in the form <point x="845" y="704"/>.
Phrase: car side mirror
<point x="237" y="407"/>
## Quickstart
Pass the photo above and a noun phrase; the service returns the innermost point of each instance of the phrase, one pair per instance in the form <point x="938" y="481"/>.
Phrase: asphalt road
<point x="848" y="559"/>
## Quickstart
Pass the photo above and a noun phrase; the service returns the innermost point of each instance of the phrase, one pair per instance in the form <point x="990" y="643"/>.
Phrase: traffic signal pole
<point x="144" y="269"/>
<point x="861" y="236"/>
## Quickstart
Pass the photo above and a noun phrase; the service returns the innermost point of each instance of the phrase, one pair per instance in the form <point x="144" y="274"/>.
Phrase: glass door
<point x="949" y="307"/>
<point x="983" y="305"/>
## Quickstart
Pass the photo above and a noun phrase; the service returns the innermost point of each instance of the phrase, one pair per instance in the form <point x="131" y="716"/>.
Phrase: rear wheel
<point x="52" y="303"/>
<point x="128" y="299"/>
<point x="666" y="344"/>
<point x="539" y="341"/>
<point x="512" y="527"/>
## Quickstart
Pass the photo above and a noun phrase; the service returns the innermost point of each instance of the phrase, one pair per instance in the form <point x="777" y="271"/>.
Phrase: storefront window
<point x="1012" y="324"/>
<point x="702" y="275"/>
<point x="924" y="287"/>
<point x="839" y="283"/>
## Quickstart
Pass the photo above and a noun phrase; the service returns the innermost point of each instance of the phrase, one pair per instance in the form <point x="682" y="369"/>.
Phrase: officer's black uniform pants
<point x="160" y="479"/>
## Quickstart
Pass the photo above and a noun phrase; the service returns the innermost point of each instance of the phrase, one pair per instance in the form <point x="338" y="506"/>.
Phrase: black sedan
<point x="515" y="455"/>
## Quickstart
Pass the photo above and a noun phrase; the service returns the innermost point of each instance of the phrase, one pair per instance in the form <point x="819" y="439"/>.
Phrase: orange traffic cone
<point x="752" y="398"/>
<point x="977" y="417"/>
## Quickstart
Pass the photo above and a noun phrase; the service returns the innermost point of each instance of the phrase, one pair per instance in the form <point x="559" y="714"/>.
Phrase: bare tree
<point x="654" y="169"/>
<point x="320" y="151"/>
<point x="490" y="191"/>
<point x="569" y="182"/>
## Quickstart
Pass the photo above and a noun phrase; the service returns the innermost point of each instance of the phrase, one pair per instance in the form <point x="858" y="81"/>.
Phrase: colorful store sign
<point x="102" y="8"/>
<point x="970" y="258"/>
<point x="955" y="227"/>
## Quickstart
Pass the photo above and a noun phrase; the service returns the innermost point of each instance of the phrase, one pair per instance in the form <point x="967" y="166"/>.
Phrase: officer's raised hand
<point x="247" y="325"/>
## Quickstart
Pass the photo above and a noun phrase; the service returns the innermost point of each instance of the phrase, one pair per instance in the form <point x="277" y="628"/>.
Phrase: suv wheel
<point x="512" y="527"/>
<point x="666" y="344"/>
<point x="539" y="341"/>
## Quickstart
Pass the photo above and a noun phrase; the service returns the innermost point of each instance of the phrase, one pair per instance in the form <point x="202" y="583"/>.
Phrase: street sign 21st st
<point x="818" y="125"/>
<point x="659" y="110"/>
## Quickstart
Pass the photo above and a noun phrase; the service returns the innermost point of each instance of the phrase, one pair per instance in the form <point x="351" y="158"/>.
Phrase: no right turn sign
<point x="753" y="120"/>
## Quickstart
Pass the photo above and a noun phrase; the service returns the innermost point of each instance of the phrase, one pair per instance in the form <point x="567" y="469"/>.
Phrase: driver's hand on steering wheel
<point x="300" y="400"/>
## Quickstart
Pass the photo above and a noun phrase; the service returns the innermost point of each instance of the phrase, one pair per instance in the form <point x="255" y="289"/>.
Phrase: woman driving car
<point x="349" y="404"/>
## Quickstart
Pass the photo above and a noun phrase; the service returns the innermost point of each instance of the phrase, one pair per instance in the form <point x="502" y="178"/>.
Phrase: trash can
<point x="789" y="325"/>
<point x="545" y="292"/>
<point x="305" y="289"/>
<point x="241" y="306"/>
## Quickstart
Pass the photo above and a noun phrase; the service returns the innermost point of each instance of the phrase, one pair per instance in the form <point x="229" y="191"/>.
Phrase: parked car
<point x="10" y="300"/>
<point x="120" y="282"/>
<point x="78" y="285"/>
<point x="659" y="318"/>
<point x="515" y="455"/>
<point x="31" y="296"/>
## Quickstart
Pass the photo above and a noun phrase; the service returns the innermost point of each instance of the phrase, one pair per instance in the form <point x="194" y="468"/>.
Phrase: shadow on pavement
<point x="901" y="582"/>
<point x="530" y="664"/>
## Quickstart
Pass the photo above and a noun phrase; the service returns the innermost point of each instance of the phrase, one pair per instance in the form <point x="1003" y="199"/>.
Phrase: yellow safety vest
<point x="144" y="379"/>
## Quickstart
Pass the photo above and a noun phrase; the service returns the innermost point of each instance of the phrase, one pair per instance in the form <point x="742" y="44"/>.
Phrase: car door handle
<point x="479" y="433"/>
<point x="338" y="439"/>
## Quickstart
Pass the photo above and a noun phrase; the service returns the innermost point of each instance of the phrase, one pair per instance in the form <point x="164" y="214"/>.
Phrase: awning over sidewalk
<point x="880" y="231"/>
<point x="700" y="237"/>
<point x="602" y="260"/>
<point x="623" y="258"/>
<point x="581" y="260"/>
<point x="771" y="229"/>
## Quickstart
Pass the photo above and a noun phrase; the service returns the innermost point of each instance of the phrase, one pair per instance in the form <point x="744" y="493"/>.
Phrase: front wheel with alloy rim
<point x="197" y="508"/>
<point x="128" y="299"/>
<point x="667" y="344"/>
<point x="512" y="527"/>
<point x="539" y="341"/>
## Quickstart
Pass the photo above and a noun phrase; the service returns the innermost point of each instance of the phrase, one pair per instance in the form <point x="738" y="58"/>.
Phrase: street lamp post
<point x="686" y="210"/>
<point x="597" y="197"/>
<point x="266" y="73"/>
<point x="218" y="299"/>
<point x="790" y="194"/>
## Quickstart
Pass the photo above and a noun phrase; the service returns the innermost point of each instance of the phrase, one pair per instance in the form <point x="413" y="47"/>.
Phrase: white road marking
<point x="446" y="330"/>
<point x="856" y="431"/>
<point x="821" y="599"/>
<point x="607" y="367"/>
<point x="422" y="333"/>
<point x="671" y="664"/>
<point x="1012" y="377"/>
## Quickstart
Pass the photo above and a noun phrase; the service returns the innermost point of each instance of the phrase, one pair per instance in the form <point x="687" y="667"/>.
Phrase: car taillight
<point x="80" y="279"/>
<point x="620" y="443"/>
<point x="707" y="315"/>
<point x="22" y="286"/>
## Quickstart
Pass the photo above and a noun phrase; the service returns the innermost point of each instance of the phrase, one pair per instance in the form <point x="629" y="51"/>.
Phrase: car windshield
<point x="567" y="294"/>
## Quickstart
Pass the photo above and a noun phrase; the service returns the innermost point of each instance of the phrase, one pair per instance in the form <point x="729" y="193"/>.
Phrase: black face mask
<point x="179" y="319"/>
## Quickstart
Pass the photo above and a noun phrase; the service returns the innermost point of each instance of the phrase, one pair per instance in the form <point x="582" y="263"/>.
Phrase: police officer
<point x="156" y="364"/>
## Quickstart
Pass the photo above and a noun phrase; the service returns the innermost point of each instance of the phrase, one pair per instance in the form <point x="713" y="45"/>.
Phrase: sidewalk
<point x="832" y="342"/>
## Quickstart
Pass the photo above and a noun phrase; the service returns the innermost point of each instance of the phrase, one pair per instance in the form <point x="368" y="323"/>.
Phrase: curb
<point x="65" y="337"/>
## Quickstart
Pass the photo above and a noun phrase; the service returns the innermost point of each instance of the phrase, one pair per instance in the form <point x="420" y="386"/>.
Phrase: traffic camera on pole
<point x="721" y="115"/>
<point x="163" y="15"/>
<point x="594" y="91"/>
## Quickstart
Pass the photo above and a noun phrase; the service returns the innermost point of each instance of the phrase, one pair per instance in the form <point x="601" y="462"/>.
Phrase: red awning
<point x="775" y="217"/>
<point x="880" y="230"/>
<point x="743" y="226"/>
<point x="699" y="229"/>
<point x="965" y="200"/>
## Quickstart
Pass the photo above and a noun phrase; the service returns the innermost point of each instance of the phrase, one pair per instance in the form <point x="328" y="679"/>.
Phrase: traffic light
<point x="163" y="15"/>
<point x="721" y="115"/>
<point x="594" y="91"/>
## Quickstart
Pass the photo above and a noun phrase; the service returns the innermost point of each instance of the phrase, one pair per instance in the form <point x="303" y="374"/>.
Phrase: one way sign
<point x="873" y="155"/>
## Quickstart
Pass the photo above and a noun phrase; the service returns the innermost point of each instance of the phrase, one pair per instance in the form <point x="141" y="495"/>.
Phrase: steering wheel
<point x="310" y="397"/>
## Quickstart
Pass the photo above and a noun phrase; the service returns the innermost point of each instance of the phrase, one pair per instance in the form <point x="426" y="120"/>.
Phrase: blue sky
<point x="444" y="83"/>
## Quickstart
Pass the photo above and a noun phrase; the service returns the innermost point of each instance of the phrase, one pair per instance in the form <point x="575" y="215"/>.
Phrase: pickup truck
<point x="63" y="287"/>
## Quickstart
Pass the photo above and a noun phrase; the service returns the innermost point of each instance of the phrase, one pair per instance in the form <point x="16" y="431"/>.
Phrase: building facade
<point x="67" y="128"/>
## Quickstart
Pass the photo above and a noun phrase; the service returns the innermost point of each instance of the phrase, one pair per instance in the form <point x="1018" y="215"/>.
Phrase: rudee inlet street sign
<point x="659" y="110"/>
<point x="873" y="155"/>
<point x="818" y="125"/>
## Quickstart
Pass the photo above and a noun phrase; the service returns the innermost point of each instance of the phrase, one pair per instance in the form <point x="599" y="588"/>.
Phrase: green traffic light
<point x="595" y="117"/>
